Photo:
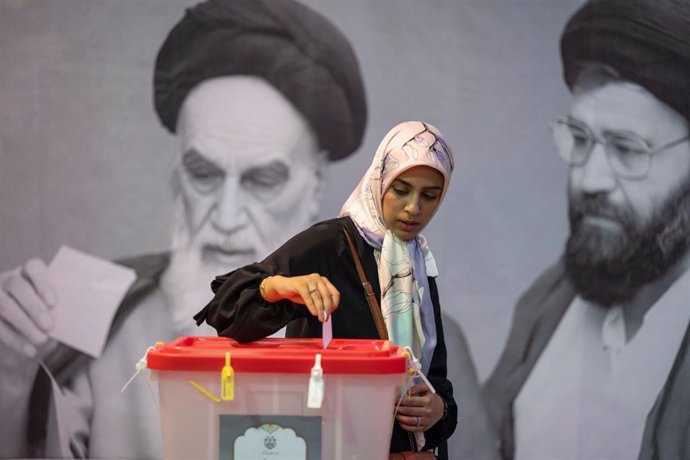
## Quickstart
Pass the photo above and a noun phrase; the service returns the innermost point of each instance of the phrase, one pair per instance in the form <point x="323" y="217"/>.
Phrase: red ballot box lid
<point x="275" y="355"/>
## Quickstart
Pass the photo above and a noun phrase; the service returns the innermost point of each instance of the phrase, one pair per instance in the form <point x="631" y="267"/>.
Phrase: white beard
<point x="186" y="284"/>
<point x="186" y="289"/>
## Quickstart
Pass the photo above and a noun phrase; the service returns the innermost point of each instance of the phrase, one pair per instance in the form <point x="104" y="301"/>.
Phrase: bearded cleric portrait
<point x="597" y="362"/>
<point x="262" y="95"/>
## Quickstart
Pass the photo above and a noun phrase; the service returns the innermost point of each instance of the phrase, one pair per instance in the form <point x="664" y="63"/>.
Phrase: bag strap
<point x="368" y="291"/>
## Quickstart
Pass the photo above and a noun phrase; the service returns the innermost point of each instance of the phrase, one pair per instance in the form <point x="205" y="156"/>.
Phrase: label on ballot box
<point x="248" y="437"/>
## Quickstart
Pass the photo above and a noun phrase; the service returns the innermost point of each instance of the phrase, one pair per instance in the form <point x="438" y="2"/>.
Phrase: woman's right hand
<point x="314" y="291"/>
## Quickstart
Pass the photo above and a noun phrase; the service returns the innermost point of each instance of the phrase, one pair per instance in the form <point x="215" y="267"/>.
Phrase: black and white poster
<point x="591" y="250"/>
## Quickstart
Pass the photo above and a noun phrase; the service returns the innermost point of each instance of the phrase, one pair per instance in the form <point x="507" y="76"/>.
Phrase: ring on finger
<point x="312" y="290"/>
<point x="419" y="421"/>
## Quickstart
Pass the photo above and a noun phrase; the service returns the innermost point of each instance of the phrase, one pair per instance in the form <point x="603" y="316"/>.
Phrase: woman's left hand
<point x="420" y="409"/>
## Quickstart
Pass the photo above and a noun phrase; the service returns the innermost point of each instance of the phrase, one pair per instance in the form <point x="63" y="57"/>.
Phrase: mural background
<point x="84" y="161"/>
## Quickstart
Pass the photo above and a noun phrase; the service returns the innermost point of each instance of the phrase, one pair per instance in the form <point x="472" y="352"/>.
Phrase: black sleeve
<point x="238" y="311"/>
<point x="437" y="435"/>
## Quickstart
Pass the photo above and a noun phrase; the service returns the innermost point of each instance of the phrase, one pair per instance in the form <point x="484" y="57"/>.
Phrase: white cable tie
<point x="402" y="395"/>
<point x="139" y="366"/>
<point x="416" y="366"/>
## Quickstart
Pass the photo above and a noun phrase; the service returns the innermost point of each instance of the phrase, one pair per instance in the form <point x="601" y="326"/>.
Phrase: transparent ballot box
<point x="277" y="398"/>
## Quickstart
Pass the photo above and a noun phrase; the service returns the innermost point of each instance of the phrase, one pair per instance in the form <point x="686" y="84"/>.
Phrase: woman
<point x="394" y="201"/>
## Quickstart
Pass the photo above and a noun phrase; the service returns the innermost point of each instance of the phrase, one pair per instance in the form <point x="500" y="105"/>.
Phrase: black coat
<point x="537" y="315"/>
<point x="238" y="310"/>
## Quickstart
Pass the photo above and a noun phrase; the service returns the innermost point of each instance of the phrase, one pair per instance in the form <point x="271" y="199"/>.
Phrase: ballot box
<point x="277" y="398"/>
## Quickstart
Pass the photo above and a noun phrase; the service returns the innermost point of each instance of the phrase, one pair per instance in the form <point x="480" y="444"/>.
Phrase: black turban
<point x="299" y="52"/>
<point x="646" y="41"/>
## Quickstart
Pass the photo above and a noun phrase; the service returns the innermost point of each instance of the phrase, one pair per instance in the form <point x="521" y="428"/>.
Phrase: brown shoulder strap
<point x="369" y="291"/>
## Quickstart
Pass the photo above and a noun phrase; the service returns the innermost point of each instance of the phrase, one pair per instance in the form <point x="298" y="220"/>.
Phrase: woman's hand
<point x="313" y="291"/>
<point x="420" y="409"/>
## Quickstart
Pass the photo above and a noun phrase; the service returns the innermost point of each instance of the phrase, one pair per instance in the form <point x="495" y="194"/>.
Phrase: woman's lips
<point x="409" y="226"/>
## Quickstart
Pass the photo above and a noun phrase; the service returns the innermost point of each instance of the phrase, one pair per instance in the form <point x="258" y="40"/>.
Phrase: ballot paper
<point x="89" y="290"/>
<point x="327" y="332"/>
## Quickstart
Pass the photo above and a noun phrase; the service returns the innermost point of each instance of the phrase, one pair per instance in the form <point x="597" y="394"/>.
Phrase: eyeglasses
<point x="628" y="155"/>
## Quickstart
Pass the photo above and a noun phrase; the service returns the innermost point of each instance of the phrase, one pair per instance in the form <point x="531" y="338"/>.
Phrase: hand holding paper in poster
<point x="89" y="290"/>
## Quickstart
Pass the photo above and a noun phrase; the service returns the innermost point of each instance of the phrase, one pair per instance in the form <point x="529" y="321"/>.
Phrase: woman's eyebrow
<point x="404" y="182"/>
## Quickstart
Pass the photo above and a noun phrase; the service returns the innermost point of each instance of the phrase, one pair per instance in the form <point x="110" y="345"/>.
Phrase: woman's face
<point x="411" y="201"/>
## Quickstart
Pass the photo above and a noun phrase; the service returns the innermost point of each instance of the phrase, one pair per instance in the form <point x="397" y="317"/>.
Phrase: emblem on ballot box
<point x="270" y="441"/>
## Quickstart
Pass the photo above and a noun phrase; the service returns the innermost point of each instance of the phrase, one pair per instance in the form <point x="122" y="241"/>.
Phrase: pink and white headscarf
<point x="403" y="265"/>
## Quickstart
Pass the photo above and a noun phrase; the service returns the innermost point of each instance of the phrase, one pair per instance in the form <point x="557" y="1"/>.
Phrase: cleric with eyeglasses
<point x="597" y="364"/>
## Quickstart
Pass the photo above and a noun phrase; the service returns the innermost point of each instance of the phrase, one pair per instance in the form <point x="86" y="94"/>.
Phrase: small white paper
<point x="327" y="332"/>
<point x="89" y="291"/>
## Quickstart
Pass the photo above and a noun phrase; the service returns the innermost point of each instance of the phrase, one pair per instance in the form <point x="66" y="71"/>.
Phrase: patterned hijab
<point x="403" y="265"/>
